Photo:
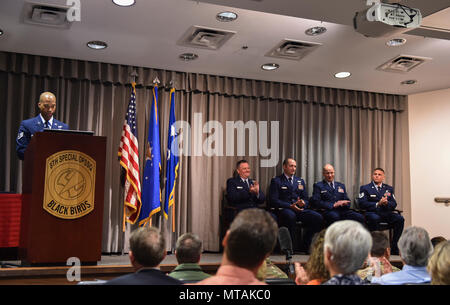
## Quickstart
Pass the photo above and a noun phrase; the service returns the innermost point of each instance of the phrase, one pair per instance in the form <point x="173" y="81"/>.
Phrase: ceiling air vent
<point x="205" y="38"/>
<point x="293" y="49"/>
<point x="46" y="15"/>
<point x="402" y="63"/>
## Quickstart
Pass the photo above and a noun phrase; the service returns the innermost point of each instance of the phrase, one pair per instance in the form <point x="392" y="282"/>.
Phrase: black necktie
<point x="331" y="185"/>
<point x="246" y="182"/>
<point x="46" y="125"/>
<point x="290" y="180"/>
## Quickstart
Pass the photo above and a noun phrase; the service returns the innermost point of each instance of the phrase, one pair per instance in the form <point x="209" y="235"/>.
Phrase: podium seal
<point x="69" y="184"/>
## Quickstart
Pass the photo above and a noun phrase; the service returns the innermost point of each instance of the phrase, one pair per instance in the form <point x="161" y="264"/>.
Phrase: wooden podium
<point x="63" y="190"/>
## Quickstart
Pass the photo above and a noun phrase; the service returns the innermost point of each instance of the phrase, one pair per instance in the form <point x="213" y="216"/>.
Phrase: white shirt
<point x="50" y="122"/>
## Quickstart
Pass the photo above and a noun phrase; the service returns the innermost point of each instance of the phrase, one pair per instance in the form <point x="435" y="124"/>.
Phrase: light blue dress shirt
<point x="408" y="275"/>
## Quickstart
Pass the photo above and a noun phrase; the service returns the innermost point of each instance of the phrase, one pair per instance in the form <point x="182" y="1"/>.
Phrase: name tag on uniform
<point x="340" y="190"/>
<point x="323" y="191"/>
<point x="373" y="195"/>
<point x="239" y="187"/>
<point x="284" y="187"/>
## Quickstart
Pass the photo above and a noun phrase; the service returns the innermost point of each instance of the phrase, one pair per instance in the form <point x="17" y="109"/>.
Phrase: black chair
<point x="383" y="226"/>
<point x="297" y="235"/>
<point x="278" y="281"/>
<point x="227" y="214"/>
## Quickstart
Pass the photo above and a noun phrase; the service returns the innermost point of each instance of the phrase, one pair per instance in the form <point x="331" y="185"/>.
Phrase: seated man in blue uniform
<point x="243" y="192"/>
<point x="289" y="193"/>
<point x="47" y="106"/>
<point x="379" y="202"/>
<point x="331" y="197"/>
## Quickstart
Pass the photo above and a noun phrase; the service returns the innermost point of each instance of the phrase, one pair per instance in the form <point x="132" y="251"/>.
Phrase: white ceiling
<point x="146" y="34"/>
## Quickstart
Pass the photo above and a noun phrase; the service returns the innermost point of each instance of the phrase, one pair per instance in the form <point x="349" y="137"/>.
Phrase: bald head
<point x="328" y="172"/>
<point x="47" y="105"/>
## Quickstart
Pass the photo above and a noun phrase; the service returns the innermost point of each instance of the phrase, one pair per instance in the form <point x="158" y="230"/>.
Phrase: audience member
<point x="188" y="251"/>
<point x="378" y="200"/>
<point x="439" y="264"/>
<point x="315" y="272"/>
<point x="147" y="250"/>
<point x="249" y="241"/>
<point x="436" y="240"/>
<point x="269" y="270"/>
<point x="378" y="263"/>
<point x="331" y="196"/>
<point x="346" y="247"/>
<point x="415" y="248"/>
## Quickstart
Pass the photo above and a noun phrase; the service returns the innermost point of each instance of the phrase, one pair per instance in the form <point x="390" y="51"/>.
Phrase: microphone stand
<point x="290" y="265"/>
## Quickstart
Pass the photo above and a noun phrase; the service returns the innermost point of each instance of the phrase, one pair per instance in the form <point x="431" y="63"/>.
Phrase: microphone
<point x="284" y="238"/>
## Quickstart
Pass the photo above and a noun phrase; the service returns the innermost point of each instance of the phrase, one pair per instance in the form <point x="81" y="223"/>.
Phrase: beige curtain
<point x="356" y="131"/>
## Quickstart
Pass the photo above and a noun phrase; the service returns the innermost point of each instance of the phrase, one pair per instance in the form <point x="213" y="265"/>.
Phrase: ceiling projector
<point x="383" y="19"/>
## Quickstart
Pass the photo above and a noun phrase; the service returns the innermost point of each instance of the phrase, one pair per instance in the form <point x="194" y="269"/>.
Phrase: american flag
<point x="129" y="160"/>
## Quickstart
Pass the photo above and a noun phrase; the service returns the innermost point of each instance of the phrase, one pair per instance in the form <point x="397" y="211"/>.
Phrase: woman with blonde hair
<point x="315" y="272"/>
<point x="439" y="264"/>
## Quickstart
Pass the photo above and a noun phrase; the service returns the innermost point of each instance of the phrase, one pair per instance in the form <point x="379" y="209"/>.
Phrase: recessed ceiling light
<point x="409" y="82"/>
<point x="226" y="16"/>
<point x="270" y="66"/>
<point x="124" y="2"/>
<point x="97" y="45"/>
<point x="1" y="32"/>
<point x="395" y="42"/>
<point x="188" y="56"/>
<point x="317" y="30"/>
<point x="342" y="74"/>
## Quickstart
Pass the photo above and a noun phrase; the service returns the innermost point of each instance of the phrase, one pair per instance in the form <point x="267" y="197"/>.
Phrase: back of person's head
<point x="436" y="240"/>
<point x="315" y="266"/>
<point x="148" y="246"/>
<point x="415" y="246"/>
<point x="251" y="237"/>
<point x="188" y="248"/>
<point x="349" y="244"/>
<point x="380" y="242"/>
<point x="439" y="264"/>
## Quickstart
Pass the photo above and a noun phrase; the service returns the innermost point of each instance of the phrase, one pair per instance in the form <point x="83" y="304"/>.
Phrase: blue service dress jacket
<point x="238" y="194"/>
<point x="324" y="196"/>
<point x="28" y="128"/>
<point x="283" y="193"/>
<point x="369" y="196"/>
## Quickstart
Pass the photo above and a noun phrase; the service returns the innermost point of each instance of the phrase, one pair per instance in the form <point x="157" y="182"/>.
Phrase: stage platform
<point x="111" y="266"/>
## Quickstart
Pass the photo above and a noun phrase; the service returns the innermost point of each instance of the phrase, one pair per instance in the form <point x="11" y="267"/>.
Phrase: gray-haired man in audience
<point x="415" y="248"/>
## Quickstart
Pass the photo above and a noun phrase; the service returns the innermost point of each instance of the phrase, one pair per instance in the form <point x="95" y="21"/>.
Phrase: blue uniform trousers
<point x="342" y="214"/>
<point x="395" y="221"/>
<point x="312" y="223"/>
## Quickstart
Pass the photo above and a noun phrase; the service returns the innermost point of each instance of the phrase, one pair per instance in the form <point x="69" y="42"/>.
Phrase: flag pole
<point x="172" y="86"/>
<point x="155" y="83"/>
<point x="133" y="76"/>
<point x="132" y="192"/>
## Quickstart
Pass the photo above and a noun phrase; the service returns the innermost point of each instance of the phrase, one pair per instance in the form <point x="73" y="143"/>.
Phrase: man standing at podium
<point x="47" y="106"/>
